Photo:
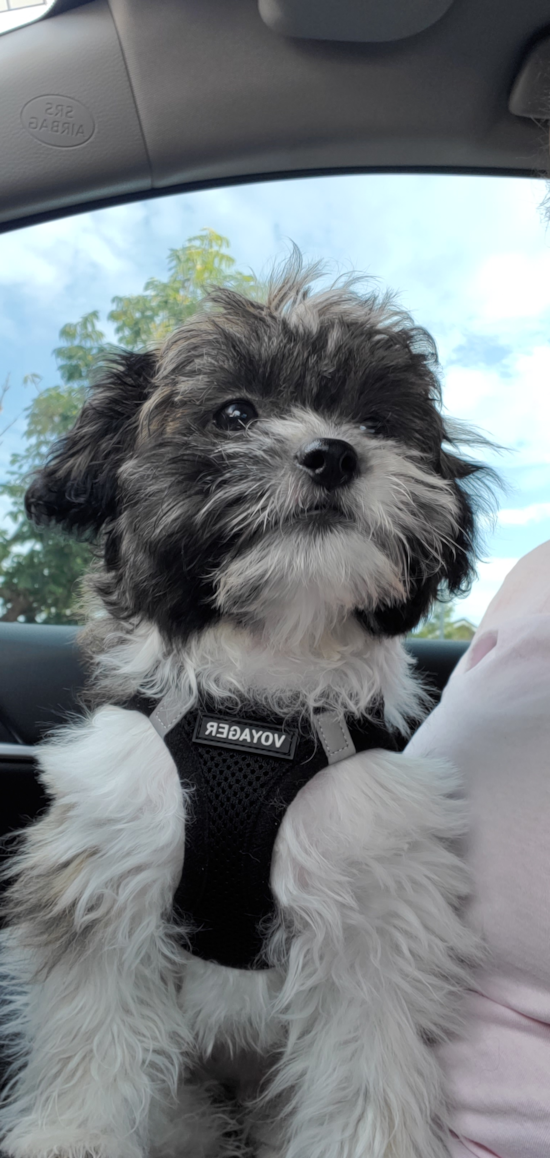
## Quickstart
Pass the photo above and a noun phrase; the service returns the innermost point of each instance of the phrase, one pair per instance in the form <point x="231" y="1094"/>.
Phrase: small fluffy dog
<point x="248" y="939"/>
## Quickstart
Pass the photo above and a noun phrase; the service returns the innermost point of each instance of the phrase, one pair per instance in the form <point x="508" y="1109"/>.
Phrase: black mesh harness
<point x="244" y="769"/>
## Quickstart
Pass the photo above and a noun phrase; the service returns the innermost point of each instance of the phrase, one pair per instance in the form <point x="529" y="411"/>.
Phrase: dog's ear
<point x="473" y="486"/>
<point x="78" y="486"/>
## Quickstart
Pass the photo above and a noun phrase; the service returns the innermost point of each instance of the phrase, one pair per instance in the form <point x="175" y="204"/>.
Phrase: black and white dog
<point x="237" y="928"/>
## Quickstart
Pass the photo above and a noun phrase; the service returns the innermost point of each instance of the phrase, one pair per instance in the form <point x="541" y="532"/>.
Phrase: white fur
<point x="369" y="892"/>
<point x="366" y="964"/>
<point x="297" y="586"/>
<point x="99" y="1025"/>
<point x="232" y="663"/>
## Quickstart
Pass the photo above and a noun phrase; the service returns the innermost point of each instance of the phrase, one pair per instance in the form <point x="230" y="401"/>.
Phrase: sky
<point x="469" y="257"/>
<point x="14" y="13"/>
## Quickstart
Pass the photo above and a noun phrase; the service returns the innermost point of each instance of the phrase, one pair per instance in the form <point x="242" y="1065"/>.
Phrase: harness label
<point x="239" y="734"/>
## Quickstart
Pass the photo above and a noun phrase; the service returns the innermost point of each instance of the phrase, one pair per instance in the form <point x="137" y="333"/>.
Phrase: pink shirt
<point x="493" y="723"/>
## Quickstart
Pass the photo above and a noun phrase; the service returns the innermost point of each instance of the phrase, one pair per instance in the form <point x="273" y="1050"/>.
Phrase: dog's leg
<point x="369" y="891"/>
<point x="195" y="1123"/>
<point x="90" y="970"/>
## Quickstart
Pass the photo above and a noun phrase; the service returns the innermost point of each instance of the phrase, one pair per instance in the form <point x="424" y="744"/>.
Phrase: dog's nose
<point x="330" y="462"/>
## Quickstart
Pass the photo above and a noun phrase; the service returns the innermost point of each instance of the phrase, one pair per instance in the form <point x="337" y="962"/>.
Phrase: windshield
<point x="467" y="256"/>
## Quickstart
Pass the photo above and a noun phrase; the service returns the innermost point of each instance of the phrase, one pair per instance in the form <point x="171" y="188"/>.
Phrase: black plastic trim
<point x="42" y="677"/>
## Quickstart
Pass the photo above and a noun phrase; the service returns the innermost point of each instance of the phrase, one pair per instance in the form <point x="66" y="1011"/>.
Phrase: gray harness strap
<point x="331" y="728"/>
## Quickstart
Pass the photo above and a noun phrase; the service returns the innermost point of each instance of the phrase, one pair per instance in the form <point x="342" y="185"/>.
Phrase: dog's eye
<point x="235" y="415"/>
<point x="371" y="426"/>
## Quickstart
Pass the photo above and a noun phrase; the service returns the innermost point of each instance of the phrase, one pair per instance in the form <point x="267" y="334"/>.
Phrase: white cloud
<point x="90" y="251"/>
<point x="437" y="240"/>
<point x="520" y="516"/>
<point x="491" y="576"/>
<point x="511" y="287"/>
<point x="513" y="408"/>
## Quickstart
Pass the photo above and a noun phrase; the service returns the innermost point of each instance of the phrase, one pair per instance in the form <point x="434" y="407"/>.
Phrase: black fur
<point x="78" y="487"/>
<point x="147" y="470"/>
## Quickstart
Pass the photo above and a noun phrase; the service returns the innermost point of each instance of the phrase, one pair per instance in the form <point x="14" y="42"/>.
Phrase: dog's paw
<point x="26" y="1149"/>
<point x="46" y="1150"/>
<point x="30" y="1139"/>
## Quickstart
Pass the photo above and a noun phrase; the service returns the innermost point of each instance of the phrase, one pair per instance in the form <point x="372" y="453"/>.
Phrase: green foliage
<point x="40" y="569"/>
<point x="39" y="582"/>
<point x="150" y="316"/>
<point x="444" y="624"/>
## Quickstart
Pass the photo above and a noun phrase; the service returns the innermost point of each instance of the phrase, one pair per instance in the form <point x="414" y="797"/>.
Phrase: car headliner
<point x="177" y="94"/>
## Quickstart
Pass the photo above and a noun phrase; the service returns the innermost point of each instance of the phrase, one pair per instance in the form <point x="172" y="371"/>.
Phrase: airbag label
<point x="58" y="120"/>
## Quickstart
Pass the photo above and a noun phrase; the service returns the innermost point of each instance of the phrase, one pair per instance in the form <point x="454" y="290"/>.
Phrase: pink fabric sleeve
<point x="493" y="723"/>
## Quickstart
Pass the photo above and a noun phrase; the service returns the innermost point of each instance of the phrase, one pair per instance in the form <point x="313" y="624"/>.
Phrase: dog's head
<point x="284" y="464"/>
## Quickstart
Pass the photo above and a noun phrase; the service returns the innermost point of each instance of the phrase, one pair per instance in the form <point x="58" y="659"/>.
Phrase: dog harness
<point x="243" y="769"/>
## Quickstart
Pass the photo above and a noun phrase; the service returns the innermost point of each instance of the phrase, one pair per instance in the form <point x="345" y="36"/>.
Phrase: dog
<point x="276" y="500"/>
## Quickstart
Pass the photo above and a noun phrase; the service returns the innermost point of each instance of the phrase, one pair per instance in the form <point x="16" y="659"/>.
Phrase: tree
<point x="141" y="319"/>
<point x="40" y="569"/>
<point x="443" y="624"/>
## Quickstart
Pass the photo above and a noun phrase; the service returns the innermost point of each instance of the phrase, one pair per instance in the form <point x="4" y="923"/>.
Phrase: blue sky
<point x="24" y="13"/>
<point x="468" y="256"/>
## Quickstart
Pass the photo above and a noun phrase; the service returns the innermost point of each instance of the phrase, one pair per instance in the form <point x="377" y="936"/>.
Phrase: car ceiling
<point x="172" y="94"/>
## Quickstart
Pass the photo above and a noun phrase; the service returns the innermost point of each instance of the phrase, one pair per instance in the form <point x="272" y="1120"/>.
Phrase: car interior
<point x="107" y="101"/>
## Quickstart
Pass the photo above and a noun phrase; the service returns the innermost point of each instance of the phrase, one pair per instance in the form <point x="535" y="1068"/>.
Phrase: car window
<point x="14" y="13"/>
<point x="468" y="256"/>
